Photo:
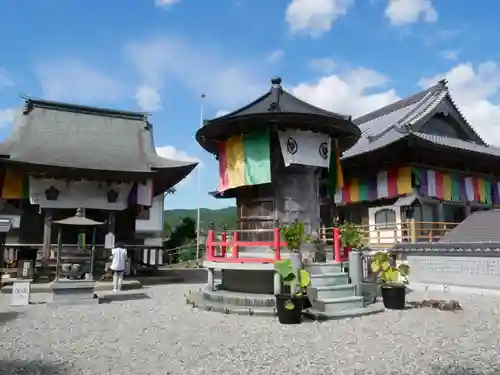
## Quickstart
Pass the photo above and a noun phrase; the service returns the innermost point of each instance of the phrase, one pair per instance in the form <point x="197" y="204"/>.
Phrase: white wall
<point x="155" y="222"/>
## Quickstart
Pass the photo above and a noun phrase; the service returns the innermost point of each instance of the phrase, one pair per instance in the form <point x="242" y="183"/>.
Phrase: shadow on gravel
<point x="123" y="297"/>
<point x="29" y="368"/>
<point x="7" y="316"/>
<point x="456" y="369"/>
<point x="453" y="369"/>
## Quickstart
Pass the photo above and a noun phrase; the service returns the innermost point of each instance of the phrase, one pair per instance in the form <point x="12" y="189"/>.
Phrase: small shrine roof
<point x="403" y="119"/>
<point x="72" y="137"/>
<point x="277" y="106"/>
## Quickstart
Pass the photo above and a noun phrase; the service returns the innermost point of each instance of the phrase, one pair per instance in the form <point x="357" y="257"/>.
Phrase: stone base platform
<point x="128" y="284"/>
<point x="227" y="302"/>
<point x="351" y="313"/>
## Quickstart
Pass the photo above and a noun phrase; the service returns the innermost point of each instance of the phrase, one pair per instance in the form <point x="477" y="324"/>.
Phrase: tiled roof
<point x="277" y="99"/>
<point x="458" y="143"/>
<point x="482" y="226"/>
<point x="397" y="121"/>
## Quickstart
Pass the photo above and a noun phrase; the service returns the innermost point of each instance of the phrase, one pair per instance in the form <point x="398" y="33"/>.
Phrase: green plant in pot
<point x="295" y="236"/>
<point x="292" y="275"/>
<point x="351" y="236"/>
<point x="391" y="279"/>
<point x="289" y="303"/>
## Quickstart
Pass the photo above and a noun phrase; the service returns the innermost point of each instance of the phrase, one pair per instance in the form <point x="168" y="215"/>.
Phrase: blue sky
<point x="349" y="56"/>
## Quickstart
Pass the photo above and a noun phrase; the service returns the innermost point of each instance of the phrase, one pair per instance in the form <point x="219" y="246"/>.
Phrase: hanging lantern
<point x="81" y="240"/>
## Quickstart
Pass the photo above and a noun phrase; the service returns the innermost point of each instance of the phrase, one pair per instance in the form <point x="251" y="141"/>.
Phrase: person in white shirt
<point x="118" y="258"/>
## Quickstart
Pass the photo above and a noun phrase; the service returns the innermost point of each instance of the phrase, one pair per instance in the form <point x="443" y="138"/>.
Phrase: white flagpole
<point x="198" y="182"/>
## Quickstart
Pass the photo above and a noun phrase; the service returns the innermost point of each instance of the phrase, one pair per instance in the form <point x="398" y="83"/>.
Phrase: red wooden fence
<point x="275" y="244"/>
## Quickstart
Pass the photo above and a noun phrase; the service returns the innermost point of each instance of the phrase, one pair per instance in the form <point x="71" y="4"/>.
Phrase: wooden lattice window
<point x="385" y="218"/>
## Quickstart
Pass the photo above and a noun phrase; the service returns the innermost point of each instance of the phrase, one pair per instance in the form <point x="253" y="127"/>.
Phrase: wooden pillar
<point x="468" y="210"/>
<point x="47" y="233"/>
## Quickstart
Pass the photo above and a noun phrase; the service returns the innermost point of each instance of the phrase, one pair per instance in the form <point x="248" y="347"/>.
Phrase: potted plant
<point x="351" y="236"/>
<point x="295" y="237"/>
<point x="391" y="279"/>
<point x="290" y="302"/>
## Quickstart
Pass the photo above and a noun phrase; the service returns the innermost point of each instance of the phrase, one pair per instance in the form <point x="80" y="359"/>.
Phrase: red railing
<point x="227" y="249"/>
<point x="233" y="244"/>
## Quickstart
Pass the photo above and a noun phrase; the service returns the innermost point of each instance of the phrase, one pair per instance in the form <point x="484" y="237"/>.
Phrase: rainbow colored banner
<point x="495" y="192"/>
<point x="15" y="185"/>
<point x="385" y="184"/>
<point x="244" y="160"/>
<point x="449" y="186"/>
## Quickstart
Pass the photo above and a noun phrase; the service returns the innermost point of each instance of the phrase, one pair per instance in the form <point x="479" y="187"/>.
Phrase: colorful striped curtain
<point x="385" y="184"/>
<point x="449" y="186"/>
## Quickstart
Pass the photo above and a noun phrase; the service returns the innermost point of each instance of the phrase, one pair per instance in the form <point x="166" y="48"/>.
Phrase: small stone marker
<point x="21" y="292"/>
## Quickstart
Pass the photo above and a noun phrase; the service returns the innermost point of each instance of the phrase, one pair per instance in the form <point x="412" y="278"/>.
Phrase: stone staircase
<point x="332" y="296"/>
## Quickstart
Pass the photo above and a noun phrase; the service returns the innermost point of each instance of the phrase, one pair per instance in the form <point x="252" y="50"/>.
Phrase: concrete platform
<point x="197" y="301"/>
<point x="128" y="284"/>
<point x="351" y="313"/>
<point x="238" y="299"/>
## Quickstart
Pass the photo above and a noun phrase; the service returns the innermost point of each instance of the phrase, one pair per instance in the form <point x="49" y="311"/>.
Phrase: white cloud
<point x="171" y="152"/>
<point x="148" y="98"/>
<point x="74" y="80"/>
<point x="275" y="56"/>
<point x="5" y="80"/>
<point x="346" y="93"/>
<point x="6" y="116"/>
<point x="165" y="3"/>
<point x="226" y="82"/>
<point x="323" y="65"/>
<point x="451" y="55"/>
<point x="402" y="12"/>
<point x="474" y="89"/>
<point x="221" y="112"/>
<point x="315" y="17"/>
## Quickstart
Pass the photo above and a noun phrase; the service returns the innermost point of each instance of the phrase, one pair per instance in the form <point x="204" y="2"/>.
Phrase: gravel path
<point x="163" y="335"/>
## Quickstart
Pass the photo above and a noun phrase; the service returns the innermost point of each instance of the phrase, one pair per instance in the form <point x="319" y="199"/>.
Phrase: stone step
<point x="331" y="291"/>
<point x="351" y="313"/>
<point x="196" y="300"/>
<point x="239" y="299"/>
<point x="328" y="279"/>
<point x="338" y="304"/>
<point x="323" y="268"/>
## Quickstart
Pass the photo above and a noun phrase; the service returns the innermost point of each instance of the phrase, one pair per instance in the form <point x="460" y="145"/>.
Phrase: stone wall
<point x="475" y="266"/>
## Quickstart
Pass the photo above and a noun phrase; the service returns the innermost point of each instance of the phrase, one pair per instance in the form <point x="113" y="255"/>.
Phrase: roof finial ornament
<point x="276" y="91"/>
<point x="442" y="83"/>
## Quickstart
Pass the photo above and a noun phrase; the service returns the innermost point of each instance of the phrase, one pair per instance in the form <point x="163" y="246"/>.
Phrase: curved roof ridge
<point x="467" y="121"/>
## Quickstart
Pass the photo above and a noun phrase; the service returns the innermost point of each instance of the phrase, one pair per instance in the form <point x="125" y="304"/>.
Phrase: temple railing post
<point x="210" y="248"/>
<point x="336" y="245"/>
<point x="236" y="247"/>
<point x="224" y="240"/>
<point x="277" y="241"/>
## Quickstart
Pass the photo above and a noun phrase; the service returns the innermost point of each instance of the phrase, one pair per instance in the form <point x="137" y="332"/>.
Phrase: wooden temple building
<point x="418" y="170"/>
<point x="62" y="157"/>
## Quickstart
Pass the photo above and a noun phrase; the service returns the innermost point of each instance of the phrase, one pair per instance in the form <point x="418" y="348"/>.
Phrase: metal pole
<point x="59" y="249"/>
<point x="92" y="254"/>
<point x="198" y="187"/>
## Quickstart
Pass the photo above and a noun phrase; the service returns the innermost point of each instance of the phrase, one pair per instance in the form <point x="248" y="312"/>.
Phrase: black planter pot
<point x="306" y="304"/>
<point x="289" y="315"/>
<point x="394" y="297"/>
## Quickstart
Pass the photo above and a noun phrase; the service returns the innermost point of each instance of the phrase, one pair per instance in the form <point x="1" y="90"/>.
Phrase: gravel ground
<point x="163" y="335"/>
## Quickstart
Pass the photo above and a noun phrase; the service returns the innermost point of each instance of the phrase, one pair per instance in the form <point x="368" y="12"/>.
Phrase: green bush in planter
<point x="351" y="236"/>
<point x="295" y="236"/>
<point x="295" y="280"/>
<point x="383" y="264"/>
